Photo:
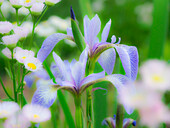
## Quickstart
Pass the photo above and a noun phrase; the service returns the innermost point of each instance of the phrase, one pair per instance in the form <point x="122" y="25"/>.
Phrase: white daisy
<point x="37" y="8"/>
<point x="155" y="75"/>
<point x="22" y="54"/>
<point x="17" y="121"/>
<point x="44" y="29"/>
<point x="59" y="23"/>
<point x="11" y="40"/>
<point x="28" y="3"/>
<point x="22" y="32"/>
<point x="16" y="3"/>
<point x="32" y="64"/>
<point x="51" y="2"/>
<point x="7" y="52"/>
<point x="36" y="113"/>
<point x="8" y="108"/>
<point x="5" y="27"/>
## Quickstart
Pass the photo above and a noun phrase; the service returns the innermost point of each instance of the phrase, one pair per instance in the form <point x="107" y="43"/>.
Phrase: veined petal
<point x="48" y="45"/>
<point x="29" y="79"/>
<point x="45" y="95"/>
<point x="129" y="59"/>
<point x="92" y="77"/>
<point x="42" y="74"/>
<point x="105" y="32"/>
<point x="68" y="86"/>
<point x="120" y="81"/>
<point x="60" y="69"/>
<point x="93" y="30"/>
<point x="83" y="58"/>
<point x="78" y="73"/>
<point x="86" y="27"/>
<point x="107" y="60"/>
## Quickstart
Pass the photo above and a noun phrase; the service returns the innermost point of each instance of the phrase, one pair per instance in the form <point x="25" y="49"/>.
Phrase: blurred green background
<point x="131" y="20"/>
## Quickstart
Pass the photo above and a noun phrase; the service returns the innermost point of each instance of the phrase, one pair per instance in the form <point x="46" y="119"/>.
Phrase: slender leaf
<point x="159" y="28"/>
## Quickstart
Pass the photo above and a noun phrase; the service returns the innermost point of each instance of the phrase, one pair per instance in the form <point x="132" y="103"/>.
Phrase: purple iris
<point x="127" y="54"/>
<point x="111" y="122"/>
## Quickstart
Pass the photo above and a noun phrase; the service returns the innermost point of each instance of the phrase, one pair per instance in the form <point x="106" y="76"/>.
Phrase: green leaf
<point x="78" y="37"/>
<point x="159" y="28"/>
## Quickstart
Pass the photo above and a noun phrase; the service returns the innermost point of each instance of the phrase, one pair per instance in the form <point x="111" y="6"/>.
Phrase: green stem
<point x="39" y="19"/>
<point x="5" y="90"/>
<point x="13" y="78"/>
<point x="17" y="16"/>
<point x="119" y="116"/>
<point x="78" y="112"/>
<point x="22" y="86"/>
<point x="24" y="19"/>
<point x="3" y="17"/>
<point x="89" y="102"/>
<point x="33" y="29"/>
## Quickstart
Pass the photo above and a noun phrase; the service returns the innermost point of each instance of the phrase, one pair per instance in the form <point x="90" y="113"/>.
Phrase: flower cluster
<point x="24" y="56"/>
<point x="146" y="96"/>
<point x="13" y="117"/>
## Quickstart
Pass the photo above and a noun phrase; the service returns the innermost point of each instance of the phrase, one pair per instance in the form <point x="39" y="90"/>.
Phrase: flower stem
<point x="78" y="112"/>
<point x="119" y="116"/>
<point x="13" y="78"/>
<point x="22" y="86"/>
<point x="89" y="103"/>
<point x="40" y="17"/>
<point x="33" y="29"/>
<point x="3" y="17"/>
<point x="5" y="90"/>
<point x="17" y="16"/>
<point x="24" y="19"/>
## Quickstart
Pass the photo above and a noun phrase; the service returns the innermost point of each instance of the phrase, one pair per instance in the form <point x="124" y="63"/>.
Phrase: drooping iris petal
<point x="107" y="60"/>
<point x="120" y="81"/>
<point x="45" y="94"/>
<point x="105" y="32"/>
<point x="48" y="45"/>
<point x="129" y="59"/>
<point x="93" y="30"/>
<point x="92" y="77"/>
<point x="60" y="69"/>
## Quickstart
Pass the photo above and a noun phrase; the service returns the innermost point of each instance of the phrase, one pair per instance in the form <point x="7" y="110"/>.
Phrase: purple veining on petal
<point x="48" y="45"/>
<point x="105" y="32"/>
<point x="129" y="58"/>
<point x="107" y="60"/>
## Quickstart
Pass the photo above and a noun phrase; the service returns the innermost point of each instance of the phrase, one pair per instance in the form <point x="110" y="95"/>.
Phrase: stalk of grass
<point x="159" y="28"/>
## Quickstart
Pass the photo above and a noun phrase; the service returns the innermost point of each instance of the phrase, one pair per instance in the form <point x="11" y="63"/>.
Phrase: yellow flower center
<point x="3" y="112"/>
<point x="36" y="116"/>
<point x="27" y="1"/>
<point x="16" y="126"/>
<point x="157" y="78"/>
<point x="32" y="66"/>
<point x="24" y="57"/>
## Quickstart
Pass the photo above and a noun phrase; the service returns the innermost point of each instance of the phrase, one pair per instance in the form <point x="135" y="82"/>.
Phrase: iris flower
<point x="71" y="77"/>
<point x="103" y="50"/>
<point x="111" y="122"/>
